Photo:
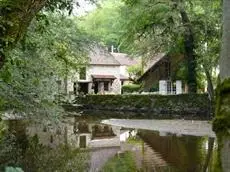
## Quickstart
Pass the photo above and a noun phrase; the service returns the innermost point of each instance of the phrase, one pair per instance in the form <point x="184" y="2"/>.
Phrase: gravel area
<point x="179" y="127"/>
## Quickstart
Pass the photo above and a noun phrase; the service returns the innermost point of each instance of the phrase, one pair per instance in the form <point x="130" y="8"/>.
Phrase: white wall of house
<point x="98" y="70"/>
<point x="107" y="70"/>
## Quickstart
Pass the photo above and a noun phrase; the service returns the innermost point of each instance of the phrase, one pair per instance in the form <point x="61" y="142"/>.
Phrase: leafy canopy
<point x="29" y="78"/>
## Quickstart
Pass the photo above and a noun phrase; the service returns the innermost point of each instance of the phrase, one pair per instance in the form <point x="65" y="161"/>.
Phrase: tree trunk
<point x="189" y="52"/>
<point x="210" y="85"/>
<point x="16" y="16"/>
<point x="221" y="124"/>
<point x="225" y="52"/>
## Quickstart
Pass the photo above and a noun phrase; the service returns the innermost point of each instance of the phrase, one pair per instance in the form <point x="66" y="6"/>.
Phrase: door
<point x="95" y="87"/>
<point x="82" y="141"/>
<point x="83" y="88"/>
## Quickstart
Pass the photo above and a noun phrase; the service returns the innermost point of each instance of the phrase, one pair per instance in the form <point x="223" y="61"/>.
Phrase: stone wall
<point x="184" y="104"/>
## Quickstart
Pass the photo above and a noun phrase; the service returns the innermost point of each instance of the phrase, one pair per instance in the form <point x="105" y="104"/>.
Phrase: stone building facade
<point x="105" y="73"/>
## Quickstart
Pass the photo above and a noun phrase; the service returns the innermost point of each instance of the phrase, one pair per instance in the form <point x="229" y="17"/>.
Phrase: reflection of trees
<point x="18" y="129"/>
<point x="209" y="154"/>
<point x="185" y="153"/>
<point x="19" y="150"/>
<point x="13" y="144"/>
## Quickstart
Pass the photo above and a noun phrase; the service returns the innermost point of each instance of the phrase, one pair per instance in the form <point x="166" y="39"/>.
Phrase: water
<point x="95" y="146"/>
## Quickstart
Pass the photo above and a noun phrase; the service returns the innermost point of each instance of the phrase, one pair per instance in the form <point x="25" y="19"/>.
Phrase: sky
<point x="85" y="7"/>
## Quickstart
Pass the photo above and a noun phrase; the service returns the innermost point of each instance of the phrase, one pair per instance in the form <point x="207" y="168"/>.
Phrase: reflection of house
<point x="97" y="135"/>
<point x="77" y="134"/>
<point x="161" y="68"/>
<point x="105" y="73"/>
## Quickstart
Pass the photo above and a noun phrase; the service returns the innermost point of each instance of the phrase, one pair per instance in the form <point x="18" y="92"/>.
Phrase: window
<point x="169" y="87"/>
<point x="83" y="73"/>
<point x="167" y="69"/>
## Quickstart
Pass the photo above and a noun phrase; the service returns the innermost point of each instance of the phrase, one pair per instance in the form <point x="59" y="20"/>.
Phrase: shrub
<point x="130" y="88"/>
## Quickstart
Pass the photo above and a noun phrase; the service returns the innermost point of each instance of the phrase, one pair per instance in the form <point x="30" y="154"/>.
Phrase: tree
<point x="135" y="72"/>
<point x="149" y="27"/>
<point x="207" y="16"/>
<point x="16" y="16"/>
<point x="164" y="19"/>
<point x="221" y="124"/>
<point x="28" y="79"/>
<point x="105" y="24"/>
<point x="172" y="27"/>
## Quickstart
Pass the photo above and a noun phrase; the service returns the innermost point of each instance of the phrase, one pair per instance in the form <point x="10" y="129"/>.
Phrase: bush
<point x="130" y="88"/>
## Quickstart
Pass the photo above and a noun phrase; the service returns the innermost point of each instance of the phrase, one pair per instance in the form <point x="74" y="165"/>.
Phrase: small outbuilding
<point x="158" y="72"/>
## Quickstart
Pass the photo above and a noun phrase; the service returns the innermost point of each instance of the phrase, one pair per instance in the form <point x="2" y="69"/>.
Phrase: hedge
<point x="130" y="88"/>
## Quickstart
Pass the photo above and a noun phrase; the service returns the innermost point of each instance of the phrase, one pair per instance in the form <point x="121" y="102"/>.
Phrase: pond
<point x="92" y="144"/>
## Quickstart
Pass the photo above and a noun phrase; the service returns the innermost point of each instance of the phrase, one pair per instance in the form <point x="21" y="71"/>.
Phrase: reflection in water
<point x="32" y="144"/>
<point x="19" y="148"/>
<point x="185" y="153"/>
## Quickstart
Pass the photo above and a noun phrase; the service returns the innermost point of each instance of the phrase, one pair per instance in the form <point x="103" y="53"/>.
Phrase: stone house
<point x="105" y="73"/>
<point x="158" y="73"/>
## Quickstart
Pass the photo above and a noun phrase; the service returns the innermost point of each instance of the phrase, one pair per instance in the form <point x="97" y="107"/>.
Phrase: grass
<point x="134" y="141"/>
<point x="121" y="163"/>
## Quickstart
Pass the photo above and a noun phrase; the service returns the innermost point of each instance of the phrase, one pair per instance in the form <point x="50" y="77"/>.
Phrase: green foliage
<point x="154" y="88"/>
<point x="130" y="88"/>
<point x="134" y="140"/>
<point x="134" y="71"/>
<point x="105" y="24"/>
<point x="3" y="128"/>
<point x="221" y="123"/>
<point x="151" y="27"/>
<point x="121" y="163"/>
<point x="154" y="27"/>
<point x="193" y="103"/>
<point x="52" y="46"/>
<point x="15" y="18"/>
